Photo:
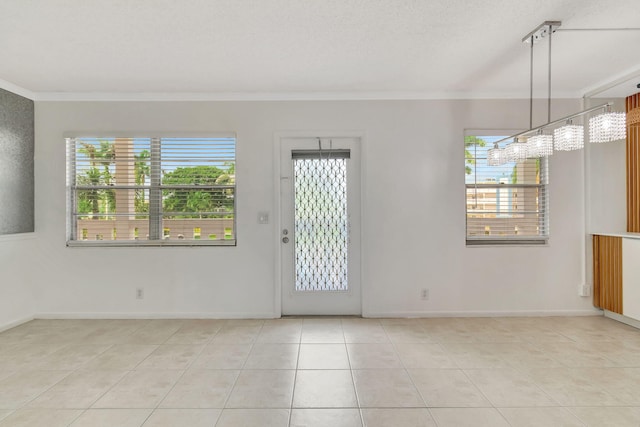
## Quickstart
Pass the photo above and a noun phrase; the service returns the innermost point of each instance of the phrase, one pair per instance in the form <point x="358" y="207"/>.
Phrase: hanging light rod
<point x="556" y="122"/>
<point x="599" y="29"/>
<point x="541" y="31"/>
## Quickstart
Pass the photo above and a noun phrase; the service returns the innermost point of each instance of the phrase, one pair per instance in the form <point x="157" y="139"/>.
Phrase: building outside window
<point x="506" y="203"/>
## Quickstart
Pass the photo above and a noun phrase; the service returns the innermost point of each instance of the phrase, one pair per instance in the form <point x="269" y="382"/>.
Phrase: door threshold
<point x="321" y="316"/>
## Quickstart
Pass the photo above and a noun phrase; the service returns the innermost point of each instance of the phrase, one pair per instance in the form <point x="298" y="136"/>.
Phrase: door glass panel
<point x="321" y="223"/>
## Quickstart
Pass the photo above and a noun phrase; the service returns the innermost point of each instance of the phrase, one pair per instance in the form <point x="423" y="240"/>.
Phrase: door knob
<point x="285" y="240"/>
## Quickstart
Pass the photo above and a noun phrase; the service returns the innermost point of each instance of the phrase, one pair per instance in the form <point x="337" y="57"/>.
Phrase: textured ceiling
<point x="313" y="48"/>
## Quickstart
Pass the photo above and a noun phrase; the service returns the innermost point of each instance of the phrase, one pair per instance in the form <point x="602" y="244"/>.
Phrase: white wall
<point x="16" y="287"/>
<point x="412" y="150"/>
<point x="606" y="183"/>
<point x="631" y="278"/>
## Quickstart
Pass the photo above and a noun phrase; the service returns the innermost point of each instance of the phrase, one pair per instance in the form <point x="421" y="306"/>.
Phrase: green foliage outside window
<point x="194" y="202"/>
<point x="180" y="203"/>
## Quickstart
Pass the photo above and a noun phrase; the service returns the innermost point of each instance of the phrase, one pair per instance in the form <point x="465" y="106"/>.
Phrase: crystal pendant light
<point x="569" y="137"/>
<point x="608" y="127"/>
<point x="516" y="151"/>
<point x="496" y="156"/>
<point x="540" y="145"/>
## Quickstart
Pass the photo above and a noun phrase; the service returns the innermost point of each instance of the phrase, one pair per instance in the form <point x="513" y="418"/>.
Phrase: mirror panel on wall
<point x="16" y="164"/>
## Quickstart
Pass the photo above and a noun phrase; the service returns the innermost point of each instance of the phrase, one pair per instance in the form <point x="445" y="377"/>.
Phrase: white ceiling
<point x="313" y="49"/>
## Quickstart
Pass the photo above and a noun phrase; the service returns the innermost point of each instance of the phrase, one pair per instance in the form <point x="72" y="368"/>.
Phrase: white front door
<point x="320" y="225"/>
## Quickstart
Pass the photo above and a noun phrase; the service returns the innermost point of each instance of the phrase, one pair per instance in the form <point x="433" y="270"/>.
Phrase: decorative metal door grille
<point x="321" y="235"/>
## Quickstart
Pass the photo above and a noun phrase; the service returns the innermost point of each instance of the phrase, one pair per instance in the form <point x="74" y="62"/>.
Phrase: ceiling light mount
<point x="542" y="31"/>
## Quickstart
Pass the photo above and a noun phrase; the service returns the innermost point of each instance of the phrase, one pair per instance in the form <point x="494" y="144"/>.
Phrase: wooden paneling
<point x="633" y="163"/>
<point x="607" y="273"/>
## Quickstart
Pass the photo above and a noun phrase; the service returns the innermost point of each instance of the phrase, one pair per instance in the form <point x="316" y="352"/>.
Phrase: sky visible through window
<point x="481" y="172"/>
<point x="174" y="152"/>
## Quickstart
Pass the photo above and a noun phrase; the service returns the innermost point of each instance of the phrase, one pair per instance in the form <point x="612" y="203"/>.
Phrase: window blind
<point x="505" y="204"/>
<point x="147" y="190"/>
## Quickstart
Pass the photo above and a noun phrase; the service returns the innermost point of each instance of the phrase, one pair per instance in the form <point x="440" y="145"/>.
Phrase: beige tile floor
<point x="325" y="372"/>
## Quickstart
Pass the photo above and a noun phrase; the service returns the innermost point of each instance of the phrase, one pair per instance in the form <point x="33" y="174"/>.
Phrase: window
<point x="506" y="204"/>
<point x="151" y="191"/>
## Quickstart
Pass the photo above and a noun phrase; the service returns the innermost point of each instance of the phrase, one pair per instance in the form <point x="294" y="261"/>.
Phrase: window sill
<point x="146" y="244"/>
<point x="483" y="243"/>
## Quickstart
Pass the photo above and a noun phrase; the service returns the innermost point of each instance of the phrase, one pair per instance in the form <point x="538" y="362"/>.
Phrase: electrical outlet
<point x="424" y="294"/>
<point x="139" y="293"/>
<point x="585" y="290"/>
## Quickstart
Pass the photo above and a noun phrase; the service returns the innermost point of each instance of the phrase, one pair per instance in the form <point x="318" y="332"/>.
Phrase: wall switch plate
<point x="263" y="217"/>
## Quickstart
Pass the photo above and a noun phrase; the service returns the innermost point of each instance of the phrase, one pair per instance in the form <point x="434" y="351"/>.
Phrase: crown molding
<point x="610" y="83"/>
<point x="17" y="89"/>
<point x="286" y="96"/>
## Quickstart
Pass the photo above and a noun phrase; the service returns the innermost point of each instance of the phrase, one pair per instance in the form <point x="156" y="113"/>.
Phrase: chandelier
<point x="568" y="137"/>
<point x="541" y="141"/>
<point x="607" y="127"/>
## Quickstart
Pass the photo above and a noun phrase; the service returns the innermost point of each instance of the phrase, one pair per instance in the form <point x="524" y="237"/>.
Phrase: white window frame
<point x="497" y="240"/>
<point x="155" y="215"/>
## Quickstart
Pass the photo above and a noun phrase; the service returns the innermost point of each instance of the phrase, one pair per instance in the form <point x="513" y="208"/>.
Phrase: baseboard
<point x="15" y="323"/>
<point x="159" y="315"/>
<point x="271" y="315"/>
<point x="478" y="313"/>
<point x="19" y="236"/>
<point x="621" y="318"/>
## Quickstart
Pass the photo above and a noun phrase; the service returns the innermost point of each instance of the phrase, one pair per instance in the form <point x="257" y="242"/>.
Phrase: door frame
<point x="277" y="218"/>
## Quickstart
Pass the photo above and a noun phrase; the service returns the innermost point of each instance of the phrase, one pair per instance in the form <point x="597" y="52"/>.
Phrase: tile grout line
<point x="183" y="371"/>
<point x="569" y="410"/>
<point x="353" y="380"/>
<point x="24" y="405"/>
<point x="75" y="419"/>
<point x="142" y="361"/>
<point x="226" y="401"/>
<point x="393" y="344"/>
<point x="521" y="369"/>
<point x="295" y="376"/>
<point x="152" y="410"/>
<point x="563" y="366"/>
<point x="493" y="406"/>
<point x="125" y="375"/>
<point x="71" y="372"/>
